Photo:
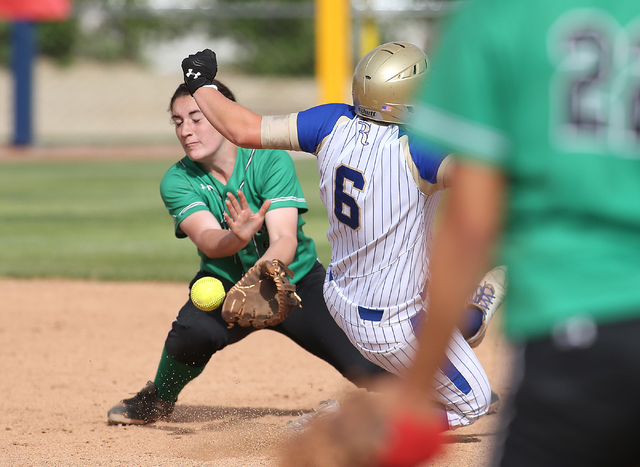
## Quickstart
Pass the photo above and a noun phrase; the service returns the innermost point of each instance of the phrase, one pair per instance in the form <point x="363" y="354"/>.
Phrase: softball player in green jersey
<point x="541" y="100"/>
<point x="266" y="224"/>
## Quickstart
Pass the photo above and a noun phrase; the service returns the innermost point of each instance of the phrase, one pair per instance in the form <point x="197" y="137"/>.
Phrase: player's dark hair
<point x="183" y="91"/>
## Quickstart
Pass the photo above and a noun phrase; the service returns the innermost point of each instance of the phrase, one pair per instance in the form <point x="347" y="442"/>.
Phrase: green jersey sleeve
<point x="180" y="197"/>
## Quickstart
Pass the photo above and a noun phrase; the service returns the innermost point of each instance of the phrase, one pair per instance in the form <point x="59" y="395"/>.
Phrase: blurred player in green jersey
<point x="541" y="101"/>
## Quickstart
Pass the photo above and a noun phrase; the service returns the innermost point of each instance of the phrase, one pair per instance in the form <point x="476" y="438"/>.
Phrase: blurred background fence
<point x="104" y="75"/>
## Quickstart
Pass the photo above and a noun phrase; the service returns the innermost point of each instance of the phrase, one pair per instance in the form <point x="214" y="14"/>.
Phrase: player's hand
<point x="367" y="431"/>
<point x="242" y="221"/>
<point x="199" y="69"/>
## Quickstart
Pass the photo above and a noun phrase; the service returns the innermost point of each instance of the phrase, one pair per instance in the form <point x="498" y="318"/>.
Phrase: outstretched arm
<point x="235" y="122"/>
<point x="204" y="230"/>
<point x="282" y="224"/>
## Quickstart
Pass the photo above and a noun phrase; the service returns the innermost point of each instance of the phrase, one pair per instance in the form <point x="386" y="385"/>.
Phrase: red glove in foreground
<point x="411" y="441"/>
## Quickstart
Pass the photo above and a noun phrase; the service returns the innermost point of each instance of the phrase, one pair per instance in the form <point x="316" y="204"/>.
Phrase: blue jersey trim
<point x="426" y="157"/>
<point x="316" y="123"/>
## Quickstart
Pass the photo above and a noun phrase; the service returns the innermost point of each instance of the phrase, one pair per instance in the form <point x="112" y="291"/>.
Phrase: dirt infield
<point x="72" y="349"/>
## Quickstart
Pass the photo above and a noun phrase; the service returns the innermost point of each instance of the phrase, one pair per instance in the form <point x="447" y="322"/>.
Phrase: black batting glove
<point x="199" y="69"/>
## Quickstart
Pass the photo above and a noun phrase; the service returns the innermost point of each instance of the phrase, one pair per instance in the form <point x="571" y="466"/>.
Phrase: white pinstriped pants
<point x="462" y="386"/>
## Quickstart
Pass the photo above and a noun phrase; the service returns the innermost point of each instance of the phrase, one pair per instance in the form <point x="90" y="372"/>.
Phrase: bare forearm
<point x="283" y="248"/>
<point x="218" y="243"/>
<point x="236" y="123"/>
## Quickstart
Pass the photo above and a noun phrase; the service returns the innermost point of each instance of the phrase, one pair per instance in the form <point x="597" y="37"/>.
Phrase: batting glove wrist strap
<point x="199" y="70"/>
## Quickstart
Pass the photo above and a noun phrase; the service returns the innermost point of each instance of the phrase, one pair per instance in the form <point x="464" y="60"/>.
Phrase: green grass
<point x="105" y="220"/>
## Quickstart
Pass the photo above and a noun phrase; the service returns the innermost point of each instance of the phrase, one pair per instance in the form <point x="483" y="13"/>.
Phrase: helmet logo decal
<point x="366" y="113"/>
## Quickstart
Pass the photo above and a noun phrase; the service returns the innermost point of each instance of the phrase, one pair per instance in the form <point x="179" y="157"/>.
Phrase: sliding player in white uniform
<point x="381" y="193"/>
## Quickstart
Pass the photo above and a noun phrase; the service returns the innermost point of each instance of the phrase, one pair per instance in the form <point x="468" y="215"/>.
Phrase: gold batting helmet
<point x="385" y="79"/>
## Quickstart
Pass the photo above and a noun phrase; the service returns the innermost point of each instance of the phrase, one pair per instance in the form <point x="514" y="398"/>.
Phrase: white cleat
<point x="302" y="422"/>
<point x="488" y="298"/>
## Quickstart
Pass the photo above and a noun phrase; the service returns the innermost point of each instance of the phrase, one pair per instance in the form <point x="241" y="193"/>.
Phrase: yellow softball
<point x="207" y="293"/>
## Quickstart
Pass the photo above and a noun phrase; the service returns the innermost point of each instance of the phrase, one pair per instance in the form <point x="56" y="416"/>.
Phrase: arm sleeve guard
<point x="280" y="132"/>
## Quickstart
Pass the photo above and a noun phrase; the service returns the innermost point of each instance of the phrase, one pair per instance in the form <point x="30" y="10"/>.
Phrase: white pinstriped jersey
<point x="380" y="220"/>
<point x="381" y="194"/>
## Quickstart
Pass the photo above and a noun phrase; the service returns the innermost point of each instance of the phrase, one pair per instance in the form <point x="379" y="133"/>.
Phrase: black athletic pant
<point x="579" y="405"/>
<point x="196" y="335"/>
